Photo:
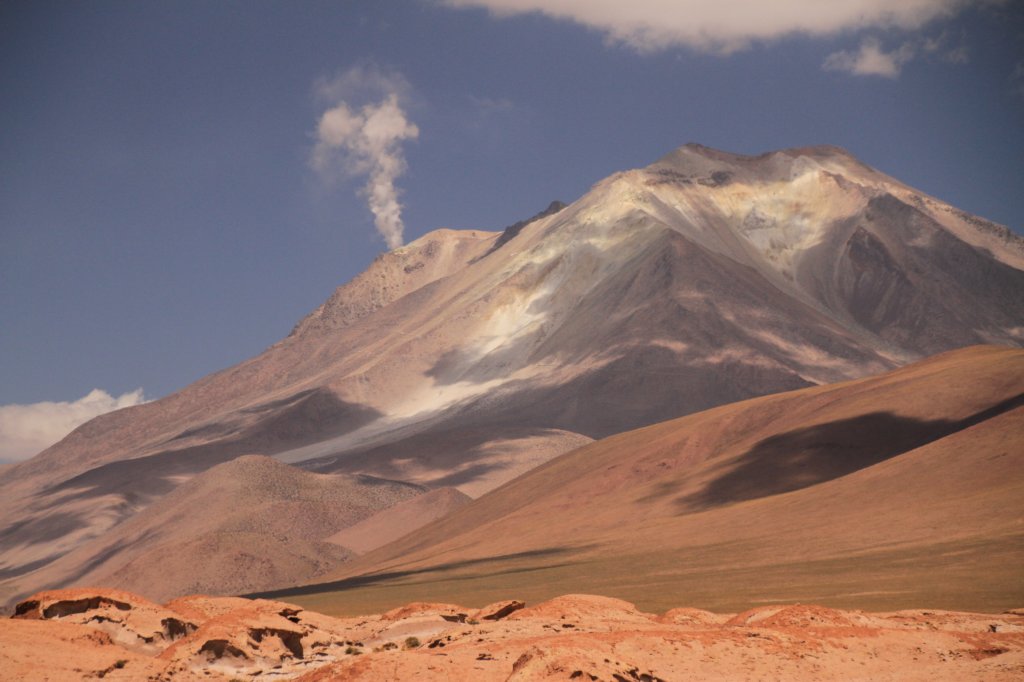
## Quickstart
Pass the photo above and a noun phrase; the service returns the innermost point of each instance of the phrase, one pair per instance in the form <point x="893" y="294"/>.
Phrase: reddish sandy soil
<point x="85" y="634"/>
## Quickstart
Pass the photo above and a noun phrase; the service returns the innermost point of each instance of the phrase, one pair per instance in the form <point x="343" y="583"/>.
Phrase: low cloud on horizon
<point x="26" y="430"/>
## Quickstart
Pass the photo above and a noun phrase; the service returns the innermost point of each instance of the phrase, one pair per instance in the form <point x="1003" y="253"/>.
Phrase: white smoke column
<point x="368" y="141"/>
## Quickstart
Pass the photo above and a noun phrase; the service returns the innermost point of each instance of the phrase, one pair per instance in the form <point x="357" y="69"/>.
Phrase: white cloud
<point x="725" y="26"/>
<point x="362" y="133"/>
<point x="28" y="429"/>
<point x="871" y="60"/>
<point x="362" y="83"/>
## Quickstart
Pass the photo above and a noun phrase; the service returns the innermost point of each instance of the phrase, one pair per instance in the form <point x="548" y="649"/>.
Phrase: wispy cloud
<point x="726" y="25"/>
<point x="26" y="430"/>
<point x="870" y="59"/>
<point x="362" y="134"/>
<point x="941" y="46"/>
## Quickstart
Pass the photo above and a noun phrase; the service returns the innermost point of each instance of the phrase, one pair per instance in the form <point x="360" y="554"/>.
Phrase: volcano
<point x="467" y="358"/>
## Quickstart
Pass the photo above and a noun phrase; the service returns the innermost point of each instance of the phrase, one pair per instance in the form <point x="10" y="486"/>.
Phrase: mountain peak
<point x="817" y="151"/>
<point x="700" y="160"/>
<point x="703" y="279"/>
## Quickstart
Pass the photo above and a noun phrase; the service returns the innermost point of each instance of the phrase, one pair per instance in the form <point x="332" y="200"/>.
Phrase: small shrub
<point x="411" y="642"/>
<point x="352" y="651"/>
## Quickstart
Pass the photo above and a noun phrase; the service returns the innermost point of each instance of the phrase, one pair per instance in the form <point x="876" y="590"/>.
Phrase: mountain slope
<point x="251" y="523"/>
<point x="893" y="490"/>
<point x="465" y="357"/>
<point x="396" y="521"/>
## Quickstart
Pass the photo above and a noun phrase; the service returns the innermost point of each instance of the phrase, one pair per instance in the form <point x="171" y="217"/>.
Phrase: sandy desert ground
<point x="90" y="634"/>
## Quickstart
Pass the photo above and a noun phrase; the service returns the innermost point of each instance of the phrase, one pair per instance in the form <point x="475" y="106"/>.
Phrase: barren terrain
<point x="468" y="358"/>
<point x="83" y="634"/>
<point x="896" y="491"/>
<point x="249" y="524"/>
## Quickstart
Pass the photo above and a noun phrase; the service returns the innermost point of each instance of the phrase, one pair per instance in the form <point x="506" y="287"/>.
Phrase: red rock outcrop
<point x="83" y="634"/>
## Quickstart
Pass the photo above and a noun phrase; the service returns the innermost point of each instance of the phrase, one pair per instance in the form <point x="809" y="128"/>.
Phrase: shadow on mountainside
<point x="379" y="578"/>
<point x="305" y="417"/>
<point x="317" y="415"/>
<point x="805" y="457"/>
<point x="643" y="386"/>
<point x="439" y="449"/>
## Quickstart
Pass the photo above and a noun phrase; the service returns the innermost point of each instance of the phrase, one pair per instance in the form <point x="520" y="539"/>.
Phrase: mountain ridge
<point x="697" y="281"/>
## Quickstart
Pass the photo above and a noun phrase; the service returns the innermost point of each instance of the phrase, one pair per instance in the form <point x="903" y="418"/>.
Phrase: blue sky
<point x="161" y="215"/>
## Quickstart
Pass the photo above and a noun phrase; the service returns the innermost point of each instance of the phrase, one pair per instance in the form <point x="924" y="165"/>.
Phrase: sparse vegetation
<point x="412" y="642"/>
<point x="352" y="651"/>
<point x="117" y="665"/>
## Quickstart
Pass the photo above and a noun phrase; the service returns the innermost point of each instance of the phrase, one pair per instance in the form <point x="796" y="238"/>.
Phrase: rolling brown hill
<point x="896" y="490"/>
<point x="394" y="522"/>
<point x="248" y="524"/>
<point x="467" y="357"/>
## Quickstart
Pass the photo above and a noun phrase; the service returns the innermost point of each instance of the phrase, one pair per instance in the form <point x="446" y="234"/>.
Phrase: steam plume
<point x="367" y="140"/>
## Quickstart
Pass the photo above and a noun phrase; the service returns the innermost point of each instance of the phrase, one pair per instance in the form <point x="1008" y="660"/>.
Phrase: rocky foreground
<point x="84" y="634"/>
